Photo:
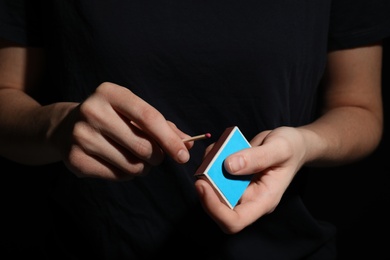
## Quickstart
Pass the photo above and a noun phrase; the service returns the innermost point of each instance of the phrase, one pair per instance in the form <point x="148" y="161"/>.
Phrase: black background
<point x="356" y="198"/>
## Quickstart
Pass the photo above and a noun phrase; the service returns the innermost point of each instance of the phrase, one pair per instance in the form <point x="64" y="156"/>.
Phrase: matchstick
<point x="197" y="137"/>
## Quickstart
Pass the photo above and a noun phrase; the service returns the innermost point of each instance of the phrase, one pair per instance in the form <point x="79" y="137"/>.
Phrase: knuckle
<point x="143" y="148"/>
<point x="149" y="114"/>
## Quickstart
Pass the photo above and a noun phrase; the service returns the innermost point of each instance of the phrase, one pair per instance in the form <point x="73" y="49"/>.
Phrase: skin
<point x="116" y="135"/>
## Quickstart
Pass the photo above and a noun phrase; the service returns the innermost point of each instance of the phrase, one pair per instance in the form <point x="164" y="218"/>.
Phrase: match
<point x="197" y="137"/>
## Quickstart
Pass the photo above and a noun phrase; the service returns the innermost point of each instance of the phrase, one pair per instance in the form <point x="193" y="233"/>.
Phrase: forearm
<point x="351" y="124"/>
<point x="26" y="127"/>
<point x="342" y="135"/>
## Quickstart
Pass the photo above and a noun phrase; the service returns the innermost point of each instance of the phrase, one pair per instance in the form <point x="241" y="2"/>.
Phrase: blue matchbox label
<point x="231" y="187"/>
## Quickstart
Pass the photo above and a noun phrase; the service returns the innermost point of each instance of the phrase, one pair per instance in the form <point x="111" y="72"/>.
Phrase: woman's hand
<point x="113" y="134"/>
<point x="274" y="158"/>
<point x="116" y="135"/>
<point x="349" y="128"/>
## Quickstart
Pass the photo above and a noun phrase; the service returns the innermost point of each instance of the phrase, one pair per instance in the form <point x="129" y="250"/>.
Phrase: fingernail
<point x="183" y="156"/>
<point x="236" y="164"/>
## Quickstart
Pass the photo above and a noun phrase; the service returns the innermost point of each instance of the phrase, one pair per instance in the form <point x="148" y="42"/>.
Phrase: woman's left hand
<point x="274" y="159"/>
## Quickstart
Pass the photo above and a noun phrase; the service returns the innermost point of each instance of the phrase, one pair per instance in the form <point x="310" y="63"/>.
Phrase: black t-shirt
<point x="205" y="67"/>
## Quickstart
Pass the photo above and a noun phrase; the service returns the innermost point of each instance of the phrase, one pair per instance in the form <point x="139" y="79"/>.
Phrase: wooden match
<point x="197" y="137"/>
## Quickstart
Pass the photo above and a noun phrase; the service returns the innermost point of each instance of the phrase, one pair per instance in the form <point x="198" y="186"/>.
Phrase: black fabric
<point x="355" y="23"/>
<point x="206" y="66"/>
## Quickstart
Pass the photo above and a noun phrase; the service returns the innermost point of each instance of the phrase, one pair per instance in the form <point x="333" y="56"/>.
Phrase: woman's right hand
<point x="113" y="134"/>
<point x="116" y="135"/>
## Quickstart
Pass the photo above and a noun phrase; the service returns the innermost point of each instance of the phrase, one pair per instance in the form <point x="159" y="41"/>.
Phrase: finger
<point x="181" y="134"/>
<point x="89" y="166"/>
<point x="151" y="121"/>
<point x="208" y="148"/>
<point x="257" y="200"/>
<point x="260" y="198"/>
<point x="259" y="139"/>
<point x="95" y="145"/>
<point x="102" y="119"/>
<point x="214" y="207"/>
<point x="144" y="147"/>
<point x="255" y="159"/>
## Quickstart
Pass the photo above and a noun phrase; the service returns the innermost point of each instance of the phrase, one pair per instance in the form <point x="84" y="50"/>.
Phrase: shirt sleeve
<point x="355" y="23"/>
<point x="20" y="21"/>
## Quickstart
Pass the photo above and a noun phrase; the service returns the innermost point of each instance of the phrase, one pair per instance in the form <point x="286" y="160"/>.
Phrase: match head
<point x="208" y="135"/>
